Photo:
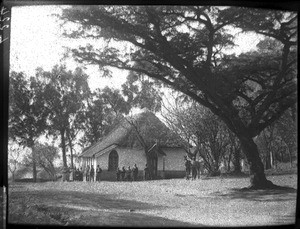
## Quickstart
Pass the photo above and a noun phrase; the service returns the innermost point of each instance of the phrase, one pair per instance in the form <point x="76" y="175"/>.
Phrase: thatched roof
<point x="125" y="134"/>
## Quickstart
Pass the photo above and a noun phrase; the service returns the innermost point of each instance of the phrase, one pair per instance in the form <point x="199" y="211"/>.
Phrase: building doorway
<point x="113" y="161"/>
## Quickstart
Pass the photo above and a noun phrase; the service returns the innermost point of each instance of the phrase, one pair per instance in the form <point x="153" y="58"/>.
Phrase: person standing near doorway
<point x="123" y="173"/>
<point x="187" y="164"/>
<point x="194" y="169"/>
<point x="128" y="174"/>
<point x="92" y="173"/>
<point x="135" y="172"/>
<point x="98" y="173"/>
<point x="87" y="173"/>
<point x="146" y="172"/>
<point x="118" y="173"/>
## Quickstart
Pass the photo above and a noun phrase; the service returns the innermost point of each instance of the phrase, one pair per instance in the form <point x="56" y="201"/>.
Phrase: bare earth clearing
<point x="178" y="202"/>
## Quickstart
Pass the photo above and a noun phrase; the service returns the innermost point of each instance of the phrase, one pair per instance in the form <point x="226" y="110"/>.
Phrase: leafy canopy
<point x="183" y="47"/>
<point x="27" y="117"/>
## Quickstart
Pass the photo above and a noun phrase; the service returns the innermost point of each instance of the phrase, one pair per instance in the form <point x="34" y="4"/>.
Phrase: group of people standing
<point x="90" y="173"/>
<point x="127" y="174"/>
<point x="78" y="174"/>
<point x="190" y="167"/>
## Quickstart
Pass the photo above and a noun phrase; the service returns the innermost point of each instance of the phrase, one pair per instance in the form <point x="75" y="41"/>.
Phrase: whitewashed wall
<point x="174" y="159"/>
<point x="103" y="161"/>
<point x="129" y="157"/>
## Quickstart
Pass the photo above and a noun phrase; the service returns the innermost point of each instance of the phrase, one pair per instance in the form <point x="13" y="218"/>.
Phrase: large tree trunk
<point x="237" y="160"/>
<point x="257" y="176"/>
<point x="71" y="152"/>
<point x="71" y="148"/>
<point x="34" y="173"/>
<point x="63" y="147"/>
<point x="228" y="162"/>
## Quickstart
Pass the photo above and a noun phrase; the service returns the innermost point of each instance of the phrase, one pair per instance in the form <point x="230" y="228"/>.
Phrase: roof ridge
<point x="121" y="134"/>
<point x="102" y="139"/>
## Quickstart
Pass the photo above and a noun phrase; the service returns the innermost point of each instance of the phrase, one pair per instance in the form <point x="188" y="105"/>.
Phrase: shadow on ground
<point x="79" y="208"/>
<point x="84" y="200"/>
<point x="272" y="195"/>
<point x="68" y="216"/>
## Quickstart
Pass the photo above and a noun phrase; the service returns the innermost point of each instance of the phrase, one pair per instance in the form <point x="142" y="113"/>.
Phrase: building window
<point x="113" y="161"/>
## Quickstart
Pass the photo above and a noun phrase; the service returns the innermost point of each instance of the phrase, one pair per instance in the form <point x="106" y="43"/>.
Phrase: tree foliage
<point x="27" y="116"/>
<point x="63" y="94"/>
<point x="104" y="110"/>
<point x="180" y="45"/>
<point x="278" y="142"/>
<point x="287" y="130"/>
<point x="142" y="92"/>
<point x="26" y="111"/>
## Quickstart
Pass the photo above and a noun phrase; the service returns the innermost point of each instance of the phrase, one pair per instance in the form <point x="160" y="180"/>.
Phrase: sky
<point x="36" y="41"/>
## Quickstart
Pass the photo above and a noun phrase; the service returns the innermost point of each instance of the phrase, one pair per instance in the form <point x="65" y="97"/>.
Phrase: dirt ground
<point x="177" y="202"/>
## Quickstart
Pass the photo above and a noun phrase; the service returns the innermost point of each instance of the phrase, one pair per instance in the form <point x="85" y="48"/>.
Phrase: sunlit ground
<point x="177" y="202"/>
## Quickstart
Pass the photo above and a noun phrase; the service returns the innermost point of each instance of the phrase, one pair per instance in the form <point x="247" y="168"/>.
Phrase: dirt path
<point x="210" y="202"/>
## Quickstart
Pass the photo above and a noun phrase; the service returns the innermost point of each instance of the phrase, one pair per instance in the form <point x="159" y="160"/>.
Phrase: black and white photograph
<point x="150" y="115"/>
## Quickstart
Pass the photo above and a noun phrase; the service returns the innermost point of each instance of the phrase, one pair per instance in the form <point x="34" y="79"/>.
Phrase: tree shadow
<point x="96" y="209"/>
<point x="109" y="218"/>
<point x="282" y="193"/>
<point x="85" y="200"/>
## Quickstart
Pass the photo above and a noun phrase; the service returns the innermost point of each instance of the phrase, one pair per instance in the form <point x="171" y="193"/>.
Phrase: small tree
<point x="45" y="156"/>
<point x="234" y="153"/>
<point x="287" y="130"/>
<point x="14" y="155"/>
<point x="212" y="137"/>
<point x="200" y="128"/>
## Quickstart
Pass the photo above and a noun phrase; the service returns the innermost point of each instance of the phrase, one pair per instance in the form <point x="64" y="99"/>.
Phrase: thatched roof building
<point x="146" y="124"/>
<point x="140" y="139"/>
